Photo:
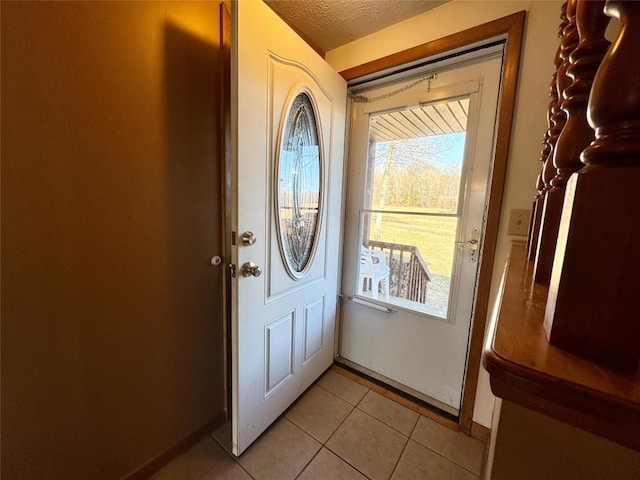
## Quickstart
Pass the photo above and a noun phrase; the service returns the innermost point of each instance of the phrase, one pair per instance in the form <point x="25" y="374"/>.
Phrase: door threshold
<point x="419" y="400"/>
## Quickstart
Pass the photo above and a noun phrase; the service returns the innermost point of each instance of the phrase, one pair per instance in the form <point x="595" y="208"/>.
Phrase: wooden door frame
<point x="511" y="28"/>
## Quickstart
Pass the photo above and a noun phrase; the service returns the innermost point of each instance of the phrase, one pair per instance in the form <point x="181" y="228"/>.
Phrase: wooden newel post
<point x="593" y="307"/>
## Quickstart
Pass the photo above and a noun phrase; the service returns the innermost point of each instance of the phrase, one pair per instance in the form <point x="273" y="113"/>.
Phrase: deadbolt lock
<point x="248" y="238"/>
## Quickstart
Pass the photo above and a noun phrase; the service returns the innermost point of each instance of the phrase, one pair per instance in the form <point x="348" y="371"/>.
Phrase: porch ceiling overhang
<point x="422" y="121"/>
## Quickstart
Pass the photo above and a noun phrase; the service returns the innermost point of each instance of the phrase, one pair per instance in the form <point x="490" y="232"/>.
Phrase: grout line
<point x="244" y="469"/>
<point x="415" y="425"/>
<point x="484" y="448"/>
<point x="399" y="399"/>
<point x="448" y="459"/>
<point x="353" y="407"/>
<point x="388" y="424"/>
<point x="307" y="434"/>
<point x="395" y="467"/>
<point x="408" y="437"/>
<point x="230" y="455"/>
<point x="311" y="460"/>
<point x="403" y="448"/>
<point x="348" y="463"/>
<point x="335" y="394"/>
<point x="372" y="387"/>
<point x="324" y="444"/>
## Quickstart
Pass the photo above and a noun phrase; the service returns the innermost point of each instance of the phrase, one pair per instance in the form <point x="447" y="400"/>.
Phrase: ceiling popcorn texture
<point x="328" y="24"/>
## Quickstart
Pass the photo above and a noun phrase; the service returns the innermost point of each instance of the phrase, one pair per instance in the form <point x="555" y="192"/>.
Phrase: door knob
<point x="248" y="238"/>
<point x="473" y="244"/>
<point x="216" y="260"/>
<point x="249" y="269"/>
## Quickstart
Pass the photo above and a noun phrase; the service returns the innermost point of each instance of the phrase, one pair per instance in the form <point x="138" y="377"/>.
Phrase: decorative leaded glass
<point x="299" y="181"/>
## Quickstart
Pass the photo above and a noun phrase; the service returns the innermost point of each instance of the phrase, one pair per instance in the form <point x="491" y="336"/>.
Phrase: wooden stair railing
<point x="593" y="308"/>
<point x="552" y="209"/>
<point x="571" y="350"/>
<point x="543" y="181"/>
<point x="581" y="65"/>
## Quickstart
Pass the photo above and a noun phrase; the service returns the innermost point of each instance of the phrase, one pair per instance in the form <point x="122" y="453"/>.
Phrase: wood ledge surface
<point x="526" y="370"/>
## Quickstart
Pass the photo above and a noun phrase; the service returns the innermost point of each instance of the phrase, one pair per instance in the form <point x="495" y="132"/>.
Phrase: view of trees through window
<point x="416" y="179"/>
<point x="418" y="173"/>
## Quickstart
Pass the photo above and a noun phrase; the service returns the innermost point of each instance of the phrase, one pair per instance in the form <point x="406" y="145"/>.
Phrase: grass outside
<point x="434" y="236"/>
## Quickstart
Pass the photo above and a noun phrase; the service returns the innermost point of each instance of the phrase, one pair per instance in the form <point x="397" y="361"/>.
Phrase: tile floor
<point x="340" y="430"/>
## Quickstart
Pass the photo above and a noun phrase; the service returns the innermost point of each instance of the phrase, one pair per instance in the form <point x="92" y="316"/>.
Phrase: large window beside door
<point x="413" y="205"/>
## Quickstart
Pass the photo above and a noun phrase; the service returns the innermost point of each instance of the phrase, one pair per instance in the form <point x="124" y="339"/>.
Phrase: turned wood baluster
<point x="543" y="182"/>
<point x="594" y="301"/>
<point x="583" y="64"/>
<point x="535" y="218"/>
<point x="614" y="104"/>
<point x="538" y="200"/>
<point x="552" y="204"/>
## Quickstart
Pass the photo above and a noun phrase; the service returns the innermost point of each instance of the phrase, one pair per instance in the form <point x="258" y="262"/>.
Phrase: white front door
<point x="419" y="166"/>
<point x="289" y="118"/>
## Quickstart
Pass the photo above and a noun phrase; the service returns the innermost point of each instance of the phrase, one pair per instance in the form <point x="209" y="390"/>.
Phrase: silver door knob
<point x="250" y="269"/>
<point x="216" y="260"/>
<point x="248" y="238"/>
<point x="473" y="244"/>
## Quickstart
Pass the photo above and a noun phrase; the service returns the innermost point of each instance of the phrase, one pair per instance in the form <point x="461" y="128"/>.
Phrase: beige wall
<point x="111" y="336"/>
<point x="540" y="43"/>
<point x="531" y="446"/>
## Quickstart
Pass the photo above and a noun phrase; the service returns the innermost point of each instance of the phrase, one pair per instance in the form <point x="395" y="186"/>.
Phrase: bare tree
<point x="416" y="158"/>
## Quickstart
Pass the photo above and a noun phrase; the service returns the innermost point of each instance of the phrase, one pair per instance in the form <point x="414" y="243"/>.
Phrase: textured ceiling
<point x="328" y="24"/>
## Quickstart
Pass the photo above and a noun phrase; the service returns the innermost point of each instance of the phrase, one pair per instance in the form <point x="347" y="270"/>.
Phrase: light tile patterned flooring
<point x="340" y="430"/>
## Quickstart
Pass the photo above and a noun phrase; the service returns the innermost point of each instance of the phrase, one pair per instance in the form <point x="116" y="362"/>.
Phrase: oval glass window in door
<point x="299" y="175"/>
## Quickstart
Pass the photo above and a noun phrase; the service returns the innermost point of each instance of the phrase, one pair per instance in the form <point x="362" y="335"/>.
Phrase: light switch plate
<point x="518" y="222"/>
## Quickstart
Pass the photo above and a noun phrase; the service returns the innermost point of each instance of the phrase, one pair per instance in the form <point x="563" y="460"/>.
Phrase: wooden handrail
<point x="525" y="369"/>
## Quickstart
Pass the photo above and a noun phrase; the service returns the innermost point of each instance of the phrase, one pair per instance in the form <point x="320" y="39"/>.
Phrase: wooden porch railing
<point x="409" y="274"/>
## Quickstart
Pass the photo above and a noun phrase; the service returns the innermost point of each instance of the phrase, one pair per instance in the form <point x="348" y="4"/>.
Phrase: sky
<point x="451" y="156"/>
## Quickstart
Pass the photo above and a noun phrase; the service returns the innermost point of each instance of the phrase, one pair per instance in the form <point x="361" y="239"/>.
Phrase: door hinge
<point x="233" y="238"/>
<point x="232" y="269"/>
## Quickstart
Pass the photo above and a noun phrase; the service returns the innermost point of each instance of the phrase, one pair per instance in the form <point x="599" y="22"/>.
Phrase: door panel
<point x="313" y="328"/>
<point x="420" y="346"/>
<point x="283" y="323"/>
<point x="284" y="73"/>
<point x="279" y="341"/>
